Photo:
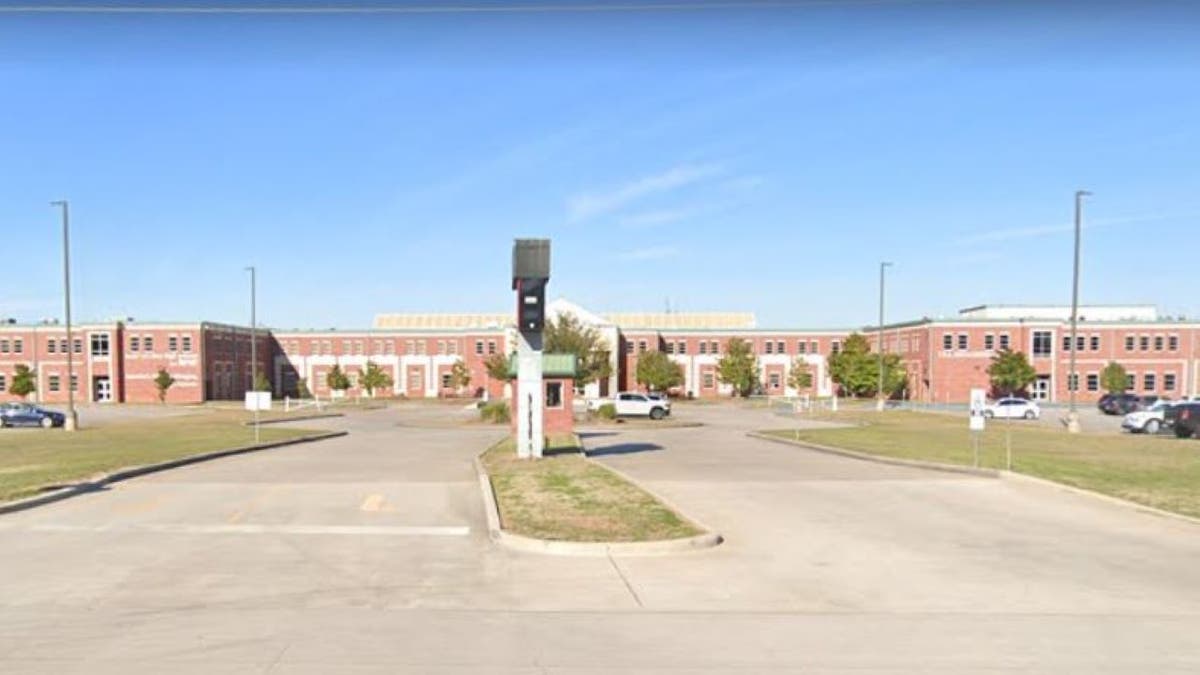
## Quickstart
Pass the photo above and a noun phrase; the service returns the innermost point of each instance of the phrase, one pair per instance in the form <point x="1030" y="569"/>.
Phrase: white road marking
<point x="249" y="528"/>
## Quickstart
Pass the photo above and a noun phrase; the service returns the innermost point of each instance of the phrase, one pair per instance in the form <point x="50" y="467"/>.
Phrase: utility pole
<point x="72" y="421"/>
<point x="254" y="345"/>
<point x="879" y="394"/>
<point x="1072" y="376"/>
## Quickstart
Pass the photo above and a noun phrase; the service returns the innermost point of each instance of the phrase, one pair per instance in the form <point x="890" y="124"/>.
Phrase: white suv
<point x="1147" y="421"/>
<point x="633" y="404"/>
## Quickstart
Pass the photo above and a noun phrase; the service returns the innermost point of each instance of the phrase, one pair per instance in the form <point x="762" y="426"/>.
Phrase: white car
<point x="1147" y="421"/>
<point x="1013" y="408"/>
<point x="633" y="404"/>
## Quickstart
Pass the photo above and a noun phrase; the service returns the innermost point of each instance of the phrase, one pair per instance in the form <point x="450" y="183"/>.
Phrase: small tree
<point x="163" y="381"/>
<point x="1010" y="372"/>
<point x="738" y="367"/>
<point x="261" y="383"/>
<point x="336" y="379"/>
<point x="568" y="335"/>
<point x="460" y="376"/>
<point x="800" y="377"/>
<point x="657" y="371"/>
<point x="373" y="377"/>
<point x="496" y="366"/>
<point x="23" y="382"/>
<point x="1114" y="379"/>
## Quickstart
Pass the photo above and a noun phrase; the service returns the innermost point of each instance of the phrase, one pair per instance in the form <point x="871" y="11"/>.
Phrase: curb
<point x="896" y="461"/>
<point x="299" y="418"/>
<point x="1014" y="476"/>
<point x="99" y="482"/>
<point x="595" y="549"/>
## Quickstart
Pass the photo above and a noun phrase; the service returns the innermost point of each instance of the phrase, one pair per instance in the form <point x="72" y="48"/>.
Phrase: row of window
<point x="388" y="347"/>
<point x="145" y="343"/>
<point x="1149" y="382"/>
<point x="1144" y="342"/>
<point x="714" y="346"/>
<point x="1042" y="342"/>
<point x="962" y="341"/>
<point x="54" y="382"/>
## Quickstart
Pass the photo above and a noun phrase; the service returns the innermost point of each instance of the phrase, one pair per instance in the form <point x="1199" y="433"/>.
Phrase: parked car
<point x="1122" y="404"/>
<point x="1013" y="408"/>
<point x="633" y="404"/>
<point x="1149" y="421"/>
<point x="1186" y="419"/>
<point x="29" y="415"/>
<point x="659" y="396"/>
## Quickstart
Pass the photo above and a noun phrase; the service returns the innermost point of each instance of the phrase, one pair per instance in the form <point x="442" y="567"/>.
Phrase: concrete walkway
<point x="368" y="554"/>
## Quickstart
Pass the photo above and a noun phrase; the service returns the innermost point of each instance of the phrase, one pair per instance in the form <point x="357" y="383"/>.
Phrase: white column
<point x="528" y="406"/>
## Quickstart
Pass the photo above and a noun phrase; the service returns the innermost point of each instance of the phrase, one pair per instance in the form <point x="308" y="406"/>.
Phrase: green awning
<point x="553" y="365"/>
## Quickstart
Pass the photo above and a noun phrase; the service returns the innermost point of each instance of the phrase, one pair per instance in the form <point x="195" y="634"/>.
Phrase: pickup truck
<point x="633" y="404"/>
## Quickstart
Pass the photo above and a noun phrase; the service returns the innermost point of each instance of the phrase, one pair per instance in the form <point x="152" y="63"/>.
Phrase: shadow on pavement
<point x="623" y="449"/>
<point x="596" y="434"/>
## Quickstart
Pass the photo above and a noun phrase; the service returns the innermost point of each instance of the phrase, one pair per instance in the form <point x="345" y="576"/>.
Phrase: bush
<point x="495" y="412"/>
<point x="608" y="411"/>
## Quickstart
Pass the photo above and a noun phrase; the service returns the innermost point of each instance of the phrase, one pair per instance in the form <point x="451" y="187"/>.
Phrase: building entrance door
<point x="1041" y="388"/>
<point x="102" y="390"/>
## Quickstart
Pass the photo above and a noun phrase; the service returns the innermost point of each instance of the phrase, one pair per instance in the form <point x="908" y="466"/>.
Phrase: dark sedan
<point x="29" y="415"/>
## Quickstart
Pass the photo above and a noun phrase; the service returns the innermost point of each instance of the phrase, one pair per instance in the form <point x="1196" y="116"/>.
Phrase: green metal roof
<point x="553" y="365"/>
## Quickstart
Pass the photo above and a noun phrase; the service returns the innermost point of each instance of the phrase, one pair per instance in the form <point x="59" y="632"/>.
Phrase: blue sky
<point x="759" y="159"/>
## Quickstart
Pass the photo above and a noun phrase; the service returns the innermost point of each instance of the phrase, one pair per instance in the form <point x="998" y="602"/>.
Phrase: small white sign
<point x="258" y="400"/>
<point x="978" y="403"/>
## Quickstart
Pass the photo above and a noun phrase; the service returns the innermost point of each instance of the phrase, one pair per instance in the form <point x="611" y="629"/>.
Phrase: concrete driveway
<point x="367" y="554"/>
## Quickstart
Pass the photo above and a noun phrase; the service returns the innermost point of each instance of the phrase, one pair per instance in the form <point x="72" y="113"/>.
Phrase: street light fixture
<point x="879" y="395"/>
<point x="1072" y="376"/>
<point x="72" y="421"/>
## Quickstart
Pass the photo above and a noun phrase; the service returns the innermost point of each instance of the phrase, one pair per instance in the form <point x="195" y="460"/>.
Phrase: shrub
<point x="495" y="412"/>
<point x="607" y="411"/>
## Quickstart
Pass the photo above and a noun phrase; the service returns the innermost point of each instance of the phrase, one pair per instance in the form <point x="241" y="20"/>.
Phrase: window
<point x="773" y="379"/>
<point x="641" y="346"/>
<point x="802" y="347"/>
<point x="1130" y="381"/>
<point x="1041" y="343"/>
<point x="1004" y="341"/>
<point x="947" y="342"/>
<point x="1093" y="382"/>
<point x="1145" y="343"/>
<point x="479" y="347"/>
<point x="172" y="343"/>
<point x="1169" y="382"/>
<point x="358" y="347"/>
<point x="445" y="380"/>
<point x="421" y="347"/>
<point x="147" y="344"/>
<point x="1172" y="344"/>
<point x="628" y="347"/>
<point x="989" y="342"/>
<point x="54" y="383"/>
<point x="19" y="345"/>
<point x="1073" y="382"/>
<point x="4" y="346"/>
<point x="410" y="347"/>
<point x="554" y="397"/>
<point x="1149" y="381"/>
<point x="491" y="347"/>
<point x="74" y="383"/>
<point x="963" y="341"/>
<point x="389" y="347"/>
<point x="835" y="347"/>
<point x="670" y="347"/>
<point x="62" y="346"/>
<point x="1066" y="347"/>
<point x="714" y="347"/>
<point x="451" y="347"/>
<point x="99" y="344"/>
<point x="51" y="346"/>
<point x="135" y="343"/>
<point x="707" y="380"/>
<point x="780" y="348"/>
<point x="1158" y="343"/>
<point x="1095" y="343"/>
<point x="3" y="384"/>
<point x="770" y="347"/>
<point x="683" y="348"/>
<point x="1129" y="343"/>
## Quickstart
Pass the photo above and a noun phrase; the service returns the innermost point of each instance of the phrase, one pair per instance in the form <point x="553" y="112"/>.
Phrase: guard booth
<point x="558" y="392"/>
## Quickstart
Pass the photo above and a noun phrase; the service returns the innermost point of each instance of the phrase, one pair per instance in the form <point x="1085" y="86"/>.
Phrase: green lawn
<point x="1159" y="471"/>
<point x="566" y="497"/>
<point x="31" y="459"/>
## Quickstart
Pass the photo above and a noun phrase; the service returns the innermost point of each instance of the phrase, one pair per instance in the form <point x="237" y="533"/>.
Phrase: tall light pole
<point x="1072" y="376"/>
<point x="879" y="395"/>
<point x="254" y="344"/>
<point x="72" y="421"/>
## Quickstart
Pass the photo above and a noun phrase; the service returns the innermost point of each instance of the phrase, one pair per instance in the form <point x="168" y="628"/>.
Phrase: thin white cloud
<point x="591" y="204"/>
<point x="650" y="253"/>
<point x="1010" y="234"/>
<point x="660" y="217"/>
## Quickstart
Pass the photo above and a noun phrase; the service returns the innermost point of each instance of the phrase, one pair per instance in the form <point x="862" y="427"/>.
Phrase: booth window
<point x="554" y="397"/>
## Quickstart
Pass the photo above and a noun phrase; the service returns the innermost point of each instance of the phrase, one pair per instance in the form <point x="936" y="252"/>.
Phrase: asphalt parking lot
<point x="368" y="554"/>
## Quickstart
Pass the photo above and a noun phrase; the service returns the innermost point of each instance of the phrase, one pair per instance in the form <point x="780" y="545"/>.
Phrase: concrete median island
<point x="33" y="460"/>
<point x="566" y="497"/>
<point x="1158" y="471"/>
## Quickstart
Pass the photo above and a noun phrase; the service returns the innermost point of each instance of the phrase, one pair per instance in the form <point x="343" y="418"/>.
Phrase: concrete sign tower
<point x="530" y="272"/>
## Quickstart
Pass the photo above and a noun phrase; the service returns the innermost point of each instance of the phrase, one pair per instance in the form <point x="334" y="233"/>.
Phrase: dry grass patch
<point x="1159" y="471"/>
<point x="566" y="497"/>
<point x="33" y="459"/>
